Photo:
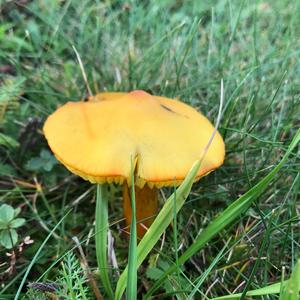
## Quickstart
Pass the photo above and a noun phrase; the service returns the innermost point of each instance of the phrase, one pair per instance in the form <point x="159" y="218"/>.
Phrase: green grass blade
<point x="101" y="229"/>
<point x="131" y="290"/>
<point x="159" y="225"/>
<point x="34" y="259"/>
<point x="175" y="229"/>
<point x="267" y="290"/>
<point x="206" y="273"/>
<point x="230" y="214"/>
<point x="261" y="250"/>
<point x="291" y="289"/>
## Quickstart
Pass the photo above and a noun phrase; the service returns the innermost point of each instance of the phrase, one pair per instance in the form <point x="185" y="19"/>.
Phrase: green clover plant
<point x="8" y="224"/>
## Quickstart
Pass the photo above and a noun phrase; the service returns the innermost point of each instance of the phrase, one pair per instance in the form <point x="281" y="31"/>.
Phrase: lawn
<point x="238" y="229"/>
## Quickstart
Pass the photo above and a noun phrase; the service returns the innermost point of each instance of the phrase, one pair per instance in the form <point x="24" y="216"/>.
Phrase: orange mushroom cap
<point x="97" y="139"/>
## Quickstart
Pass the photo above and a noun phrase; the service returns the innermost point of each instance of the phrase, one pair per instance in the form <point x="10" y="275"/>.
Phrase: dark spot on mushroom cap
<point x="168" y="109"/>
<point x="172" y="111"/>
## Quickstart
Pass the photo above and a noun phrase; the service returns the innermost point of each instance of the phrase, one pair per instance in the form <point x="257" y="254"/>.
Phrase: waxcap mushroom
<point x="96" y="139"/>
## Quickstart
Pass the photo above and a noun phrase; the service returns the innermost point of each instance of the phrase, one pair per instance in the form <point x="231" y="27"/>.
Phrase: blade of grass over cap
<point x="101" y="231"/>
<point x="35" y="258"/>
<point x="231" y="213"/>
<point x="159" y="225"/>
<point x="131" y="289"/>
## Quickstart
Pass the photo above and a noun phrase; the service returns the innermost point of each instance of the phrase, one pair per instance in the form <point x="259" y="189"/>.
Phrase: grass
<point x="177" y="49"/>
<point x="131" y="285"/>
<point x="101" y="228"/>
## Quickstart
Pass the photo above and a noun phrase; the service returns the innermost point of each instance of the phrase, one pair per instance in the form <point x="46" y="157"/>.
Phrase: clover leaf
<point x="8" y="224"/>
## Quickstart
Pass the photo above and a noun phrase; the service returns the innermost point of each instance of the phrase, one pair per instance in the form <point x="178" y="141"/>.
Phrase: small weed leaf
<point x="6" y="213"/>
<point x="8" y="223"/>
<point x="16" y="223"/>
<point x="8" y="238"/>
<point x="45" y="162"/>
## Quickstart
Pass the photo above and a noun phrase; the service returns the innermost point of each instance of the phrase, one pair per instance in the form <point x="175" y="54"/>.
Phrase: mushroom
<point x="98" y="139"/>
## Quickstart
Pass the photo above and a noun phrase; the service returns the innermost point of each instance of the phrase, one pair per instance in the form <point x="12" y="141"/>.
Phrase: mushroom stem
<point x="146" y="207"/>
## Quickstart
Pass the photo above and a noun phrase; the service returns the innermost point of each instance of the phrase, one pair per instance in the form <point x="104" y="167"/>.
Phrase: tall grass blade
<point x="131" y="289"/>
<point x="101" y="230"/>
<point x="230" y="214"/>
<point x="159" y="225"/>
